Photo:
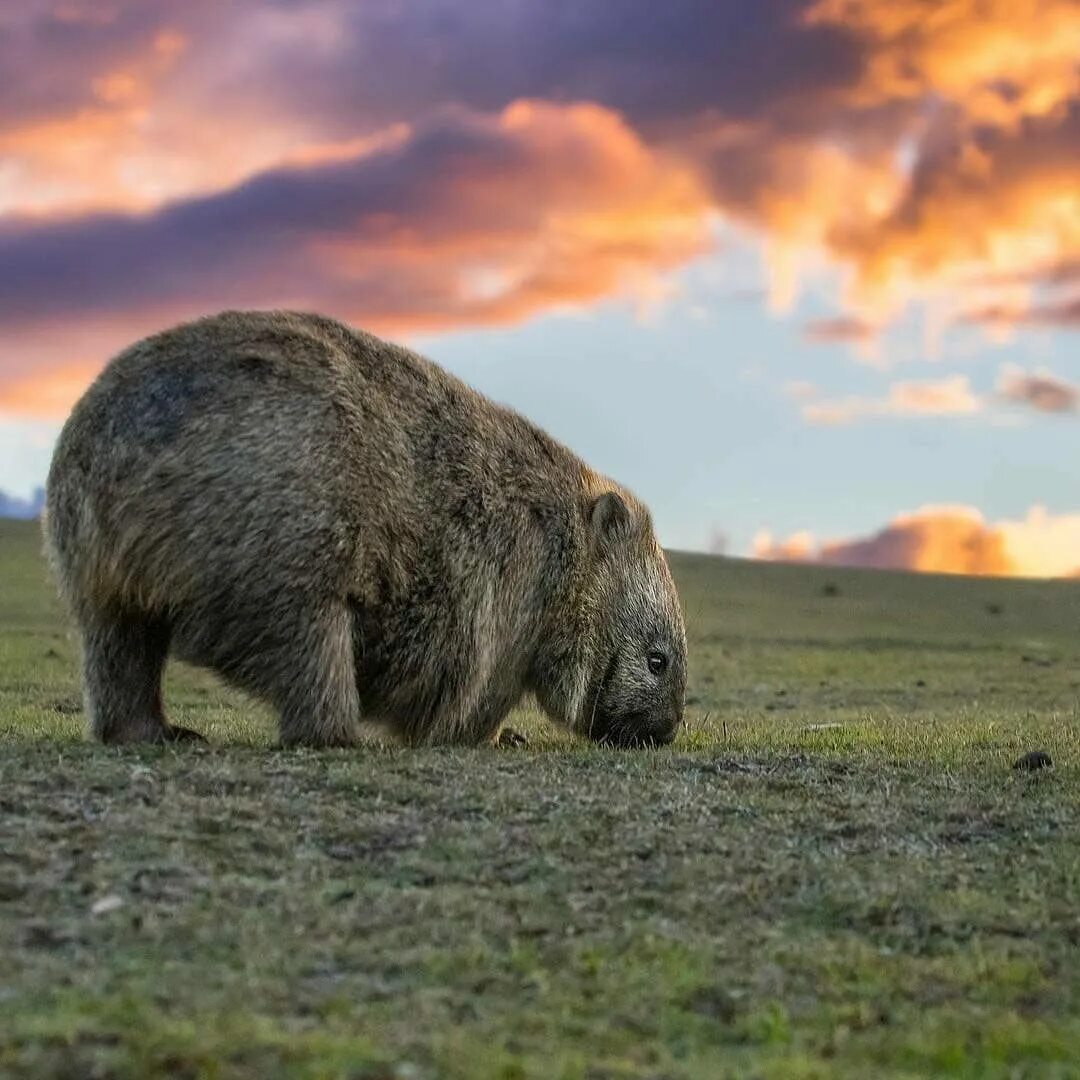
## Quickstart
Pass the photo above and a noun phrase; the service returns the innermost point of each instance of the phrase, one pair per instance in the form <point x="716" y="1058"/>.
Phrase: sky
<point x="803" y="274"/>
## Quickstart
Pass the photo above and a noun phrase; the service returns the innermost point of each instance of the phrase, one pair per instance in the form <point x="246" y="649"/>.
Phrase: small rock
<point x="12" y="890"/>
<point x="1038" y="661"/>
<point x="1036" y="759"/>
<point x="40" y="935"/>
<point x="112" y="902"/>
<point x="714" y="1002"/>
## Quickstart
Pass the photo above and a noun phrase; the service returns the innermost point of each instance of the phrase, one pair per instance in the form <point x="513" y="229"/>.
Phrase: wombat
<point x="342" y="528"/>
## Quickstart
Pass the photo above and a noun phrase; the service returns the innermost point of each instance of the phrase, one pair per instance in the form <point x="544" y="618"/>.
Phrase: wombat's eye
<point x="657" y="662"/>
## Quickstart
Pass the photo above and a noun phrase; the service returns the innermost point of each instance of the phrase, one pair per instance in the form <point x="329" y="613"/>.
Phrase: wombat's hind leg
<point x="316" y="682"/>
<point x="123" y="658"/>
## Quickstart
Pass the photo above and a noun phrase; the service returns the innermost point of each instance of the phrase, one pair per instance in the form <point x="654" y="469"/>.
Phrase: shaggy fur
<point x="340" y="527"/>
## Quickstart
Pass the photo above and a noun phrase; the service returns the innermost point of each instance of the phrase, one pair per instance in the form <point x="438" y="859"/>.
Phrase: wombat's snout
<point x="669" y="725"/>
<point x="639" y="731"/>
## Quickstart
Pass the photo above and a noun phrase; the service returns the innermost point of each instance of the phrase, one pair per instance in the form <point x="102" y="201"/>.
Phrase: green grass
<point x="834" y="871"/>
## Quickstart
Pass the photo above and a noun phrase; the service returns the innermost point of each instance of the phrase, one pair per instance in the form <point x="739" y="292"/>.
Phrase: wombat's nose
<point x="676" y="714"/>
<point x="669" y="725"/>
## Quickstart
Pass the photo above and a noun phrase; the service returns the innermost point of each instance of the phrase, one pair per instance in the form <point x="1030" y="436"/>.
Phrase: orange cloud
<point x="47" y="398"/>
<point x="469" y="220"/>
<point x="948" y="161"/>
<point x="951" y="396"/>
<point x="1000" y="60"/>
<point x="947" y="540"/>
<point x="123" y="120"/>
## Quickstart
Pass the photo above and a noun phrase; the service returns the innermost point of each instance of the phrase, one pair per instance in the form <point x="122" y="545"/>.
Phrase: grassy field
<point x="833" y="871"/>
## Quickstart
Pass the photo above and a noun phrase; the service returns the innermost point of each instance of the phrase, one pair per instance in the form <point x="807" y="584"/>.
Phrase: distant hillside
<point x="11" y="506"/>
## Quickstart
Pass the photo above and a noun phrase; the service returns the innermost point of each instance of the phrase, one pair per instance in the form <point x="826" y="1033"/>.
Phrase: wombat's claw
<point x="508" y="738"/>
<point x="183" y="734"/>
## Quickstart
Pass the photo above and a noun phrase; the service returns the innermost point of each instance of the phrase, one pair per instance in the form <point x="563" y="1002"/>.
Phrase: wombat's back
<point x="176" y="452"/>
<point x="222" y="445"/>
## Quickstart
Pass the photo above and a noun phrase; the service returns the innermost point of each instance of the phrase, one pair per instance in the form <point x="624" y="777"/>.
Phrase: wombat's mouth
<point x="632" y="732"/>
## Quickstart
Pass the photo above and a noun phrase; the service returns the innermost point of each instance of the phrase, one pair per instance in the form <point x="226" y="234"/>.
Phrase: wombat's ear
<point x="610" y="517"/>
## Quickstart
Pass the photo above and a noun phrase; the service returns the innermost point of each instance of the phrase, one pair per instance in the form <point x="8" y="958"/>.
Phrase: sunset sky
<point x="804" y="274"/>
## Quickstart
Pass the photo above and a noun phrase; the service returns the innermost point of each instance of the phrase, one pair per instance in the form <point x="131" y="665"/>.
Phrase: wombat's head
<point x="634" y="692"/>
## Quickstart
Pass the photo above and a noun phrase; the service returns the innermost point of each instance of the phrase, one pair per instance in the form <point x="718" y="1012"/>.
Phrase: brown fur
<point x="340" y="527"/>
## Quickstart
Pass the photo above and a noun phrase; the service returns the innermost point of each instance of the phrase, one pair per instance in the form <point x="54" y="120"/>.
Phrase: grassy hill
<point x="834" y="871"/>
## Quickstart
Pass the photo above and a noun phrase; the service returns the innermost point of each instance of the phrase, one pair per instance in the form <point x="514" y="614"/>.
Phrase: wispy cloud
<point x="1063" y="312"/>
<point x="840" y="329"/>
<point x="951" y="396"/>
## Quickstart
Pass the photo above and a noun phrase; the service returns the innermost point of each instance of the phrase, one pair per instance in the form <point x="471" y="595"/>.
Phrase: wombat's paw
<point x="508" y="738"/>
<point x="183" y="734"/>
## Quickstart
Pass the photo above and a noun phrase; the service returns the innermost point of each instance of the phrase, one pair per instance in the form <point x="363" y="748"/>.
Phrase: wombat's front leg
<point x="508" y="738"/>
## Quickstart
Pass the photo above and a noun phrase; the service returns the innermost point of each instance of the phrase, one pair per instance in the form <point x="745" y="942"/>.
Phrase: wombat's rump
<point x="338" y="526"/>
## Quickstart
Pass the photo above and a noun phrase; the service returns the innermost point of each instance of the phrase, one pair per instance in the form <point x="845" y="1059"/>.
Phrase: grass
<point x="834" y="871"/>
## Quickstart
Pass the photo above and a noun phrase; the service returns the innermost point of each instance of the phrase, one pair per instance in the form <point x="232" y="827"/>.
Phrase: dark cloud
<point x="53" y="54"/>
<point x="652" y="62"/>
<point x="1043" y="392"/>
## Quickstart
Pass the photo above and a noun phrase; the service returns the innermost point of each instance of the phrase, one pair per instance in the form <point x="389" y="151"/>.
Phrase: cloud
<point x="984" y="200"/>
<point x="92" y="117"/>
<point x="1064" y="312"/>
<point x="1041" y="391"/>
<point x="924" y="151"/>
<point x="840" y="329"/>
<point x="951" y="396"/>
<point x="948" y="158"/>
<point x="465" y="219"/>
<point x="947" y="539"/>
<point x="129" y="84"/>
<point x="1001" y="60"/>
